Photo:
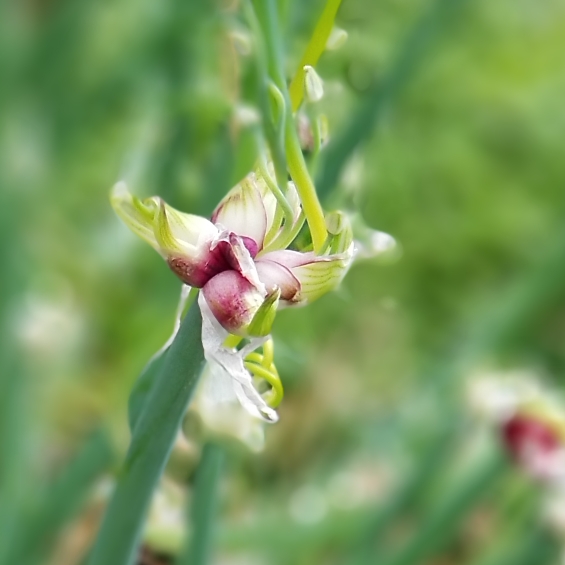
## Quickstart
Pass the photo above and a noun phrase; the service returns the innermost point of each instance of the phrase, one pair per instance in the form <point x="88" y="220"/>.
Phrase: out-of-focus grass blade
<point x="525" y="302"/>
<point x="342" y="530"/>
<point x="437" y="528"/>
<point x="63" y="500"/>
<point x="218" y="173"/>
<point x="152" y="441"/>
<point x="538" y="548"/>
<point x="15" y="422"/>
<point x="203" y="507"/>
<point x="432" y="461"/>
<point x="361" y="124"/>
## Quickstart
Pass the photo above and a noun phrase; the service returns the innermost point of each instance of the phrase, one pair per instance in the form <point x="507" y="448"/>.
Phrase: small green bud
<point x="336" y="39"/>
<point x="336" y="222"/>
<point x="313" y="85"/>
<point x="265" y="316"/>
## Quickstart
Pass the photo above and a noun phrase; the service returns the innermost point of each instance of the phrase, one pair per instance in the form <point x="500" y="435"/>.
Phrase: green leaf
<point x="142" y="389"/>
<point x="151" y="444"/>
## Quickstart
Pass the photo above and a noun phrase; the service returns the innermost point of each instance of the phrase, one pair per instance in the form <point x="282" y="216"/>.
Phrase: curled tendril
<point x="261" y="366"/>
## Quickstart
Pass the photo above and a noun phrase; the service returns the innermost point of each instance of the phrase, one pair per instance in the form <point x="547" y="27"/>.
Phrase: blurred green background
<point x="377" y="457"/>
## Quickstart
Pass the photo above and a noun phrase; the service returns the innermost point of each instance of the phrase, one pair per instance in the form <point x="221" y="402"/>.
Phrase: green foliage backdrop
<point x="377" y="457"/>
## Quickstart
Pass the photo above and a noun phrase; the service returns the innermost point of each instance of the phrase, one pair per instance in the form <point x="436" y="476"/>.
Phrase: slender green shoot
<point x="314" y="50"/>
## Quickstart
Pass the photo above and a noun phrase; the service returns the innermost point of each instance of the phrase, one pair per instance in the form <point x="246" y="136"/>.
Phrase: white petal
<point x="243" y="212"/>
<point x="218" y="387"/>
<point x="221" y="411"/>
<point x="231" y="362"/>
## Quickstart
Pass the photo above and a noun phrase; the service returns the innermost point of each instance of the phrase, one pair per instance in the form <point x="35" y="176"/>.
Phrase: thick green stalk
<point x="152" y="441"/>
<point x="299" y="172"/>
<point x="203" y="508"/>
<point x="316" y="46"/>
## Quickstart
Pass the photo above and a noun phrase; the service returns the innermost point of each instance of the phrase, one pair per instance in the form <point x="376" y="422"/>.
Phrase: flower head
<point x="238" y="257"/>
<point x="241" y="260"/>
<point x="530" y="421"/>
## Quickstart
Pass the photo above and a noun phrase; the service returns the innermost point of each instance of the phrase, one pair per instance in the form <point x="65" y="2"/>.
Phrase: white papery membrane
<point x="229" y="378"/>
<point x="222" y="413"/>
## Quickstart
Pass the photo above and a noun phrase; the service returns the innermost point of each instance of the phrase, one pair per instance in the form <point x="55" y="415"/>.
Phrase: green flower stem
<point x="151" y="443"/>
<point x="203" y="507"/>
<point x="267" y="16"/>
<point x="267" y="93"/>
<point x="277" y="192"/>
<point x="285" y="238"/>
<point x="316" y="46"/>
<point x="305" y="187"/>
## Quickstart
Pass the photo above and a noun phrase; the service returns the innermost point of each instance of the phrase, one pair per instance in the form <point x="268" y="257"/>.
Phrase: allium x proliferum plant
<point x="247" y="261"/>
<point x="267" y="245"/>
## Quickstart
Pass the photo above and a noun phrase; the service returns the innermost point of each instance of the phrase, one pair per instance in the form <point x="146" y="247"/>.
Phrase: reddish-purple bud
<point x="233" y="300"/>
<point x="197" y="273"/>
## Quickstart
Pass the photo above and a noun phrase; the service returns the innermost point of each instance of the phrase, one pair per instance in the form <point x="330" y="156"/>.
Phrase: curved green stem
<point x="305" y="187"/>
<point x="268" y="353"/>
<point x="285" y="238"/>
<point x="277" y="192"/>
<point x="269" y="375"/>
